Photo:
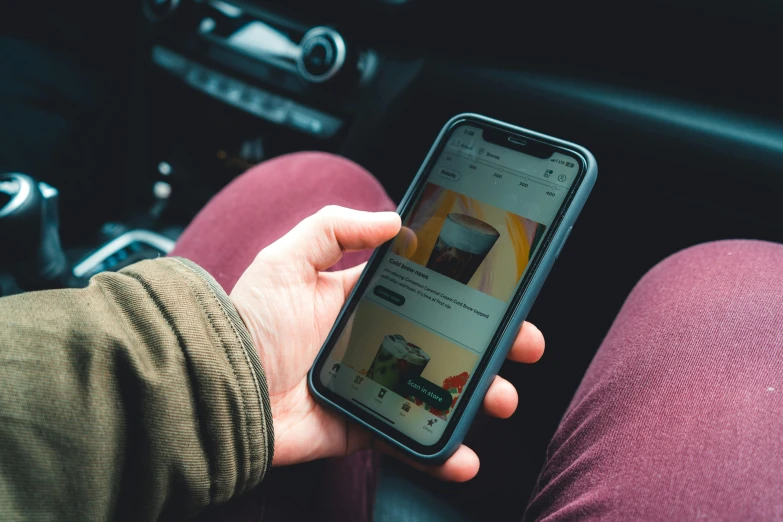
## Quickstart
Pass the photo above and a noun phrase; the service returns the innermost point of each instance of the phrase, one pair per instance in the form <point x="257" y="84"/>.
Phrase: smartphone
<point x="433" y="315"/>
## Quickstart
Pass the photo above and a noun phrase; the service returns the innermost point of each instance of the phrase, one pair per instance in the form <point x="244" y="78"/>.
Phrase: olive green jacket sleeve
<point x="140" y="397"/>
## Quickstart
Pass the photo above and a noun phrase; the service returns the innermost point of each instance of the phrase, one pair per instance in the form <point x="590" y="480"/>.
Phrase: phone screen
<point x="410" y="347"/>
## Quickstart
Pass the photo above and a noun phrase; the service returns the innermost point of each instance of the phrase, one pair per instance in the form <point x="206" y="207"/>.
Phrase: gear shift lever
<point x="29" y="233"/>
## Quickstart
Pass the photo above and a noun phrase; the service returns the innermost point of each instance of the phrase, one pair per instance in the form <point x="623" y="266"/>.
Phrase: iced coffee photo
<point x="470" y="241"/>
<point x="391" y="361"/>
<point x="397" y="361"/>
<point x="462" y="245"/>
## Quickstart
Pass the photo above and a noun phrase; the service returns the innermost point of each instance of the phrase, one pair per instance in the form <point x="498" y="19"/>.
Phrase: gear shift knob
<point x="29" y="233"/>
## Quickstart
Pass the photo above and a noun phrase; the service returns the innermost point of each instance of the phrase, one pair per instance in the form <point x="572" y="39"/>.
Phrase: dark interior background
<point x="679" y="101"/>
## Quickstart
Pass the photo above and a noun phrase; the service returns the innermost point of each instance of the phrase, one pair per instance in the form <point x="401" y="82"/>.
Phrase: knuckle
<point x="324" y="218"/>
<point x="329" y="211"/>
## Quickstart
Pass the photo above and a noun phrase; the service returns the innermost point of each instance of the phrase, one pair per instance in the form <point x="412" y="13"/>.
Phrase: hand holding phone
<point x="289" y="303"/>
<point x="434" y="314"/>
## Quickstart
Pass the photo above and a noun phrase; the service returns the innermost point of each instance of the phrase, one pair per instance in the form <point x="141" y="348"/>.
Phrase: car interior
<point x="119" y="122"/>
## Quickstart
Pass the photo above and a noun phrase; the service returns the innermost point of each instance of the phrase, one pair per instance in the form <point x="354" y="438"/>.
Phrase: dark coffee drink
<point x="463" y="244"/>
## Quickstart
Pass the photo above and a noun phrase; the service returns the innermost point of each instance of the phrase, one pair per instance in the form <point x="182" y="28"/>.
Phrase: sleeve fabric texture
<point x="140" y="397"/>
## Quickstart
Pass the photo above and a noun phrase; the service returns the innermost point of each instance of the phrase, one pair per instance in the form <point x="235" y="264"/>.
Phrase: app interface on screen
<point x="431" y="309"/>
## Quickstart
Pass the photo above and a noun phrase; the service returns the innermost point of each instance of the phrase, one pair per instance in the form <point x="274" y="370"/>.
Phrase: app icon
<point x="382" y="393"/>
<point x="406" y="406"/>
<point x="358" y="379"/>
<point x="336" y="368"/>
<point x="431" y="422"/>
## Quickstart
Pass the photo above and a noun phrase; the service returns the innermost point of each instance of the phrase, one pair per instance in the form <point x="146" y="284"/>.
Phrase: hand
<point x="289" y="303"/>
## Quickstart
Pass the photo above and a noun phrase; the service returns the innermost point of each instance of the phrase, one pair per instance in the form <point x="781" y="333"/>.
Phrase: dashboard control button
<point x="313" y="122"/>
<point x="323" y="54"/>
<point x="275" y="109"/>
<point x="239" y="94"/>
<point x="319" y="55"/>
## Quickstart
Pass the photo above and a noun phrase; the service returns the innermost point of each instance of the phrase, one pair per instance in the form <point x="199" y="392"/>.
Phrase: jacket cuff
<point x="230" y="384"/>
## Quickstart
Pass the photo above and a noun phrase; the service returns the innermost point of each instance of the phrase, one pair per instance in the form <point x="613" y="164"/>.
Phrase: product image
<point x="397" y="361"/>
<point x="463" y="243"/>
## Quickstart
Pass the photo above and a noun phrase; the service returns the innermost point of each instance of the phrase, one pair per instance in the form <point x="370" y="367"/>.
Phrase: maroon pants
<point x="679" y="416"/>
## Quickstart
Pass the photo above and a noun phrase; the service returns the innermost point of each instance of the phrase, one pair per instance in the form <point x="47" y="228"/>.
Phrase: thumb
<point x="321" y="239"/>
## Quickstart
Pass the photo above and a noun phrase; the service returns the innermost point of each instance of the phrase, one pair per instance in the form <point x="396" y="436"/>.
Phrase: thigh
<point x="267" y="201"/>
<point x="680" y="413"/>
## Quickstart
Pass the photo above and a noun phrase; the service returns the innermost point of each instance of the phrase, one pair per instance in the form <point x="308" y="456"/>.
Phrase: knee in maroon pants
<point x="680" y="413"/>
<point x="267" y="201"/>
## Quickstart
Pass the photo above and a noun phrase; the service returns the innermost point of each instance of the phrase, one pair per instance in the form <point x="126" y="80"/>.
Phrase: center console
<point x="216" y="87"/>
<point x="228" y="84"/>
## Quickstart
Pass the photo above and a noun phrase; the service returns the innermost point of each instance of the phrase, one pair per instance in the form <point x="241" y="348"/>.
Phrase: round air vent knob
<point x="324" y="57"/>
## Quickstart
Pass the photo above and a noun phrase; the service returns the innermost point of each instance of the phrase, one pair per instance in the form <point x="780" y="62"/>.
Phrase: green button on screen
<point x="388" y="295"/>
<point x="428" y="392"/>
